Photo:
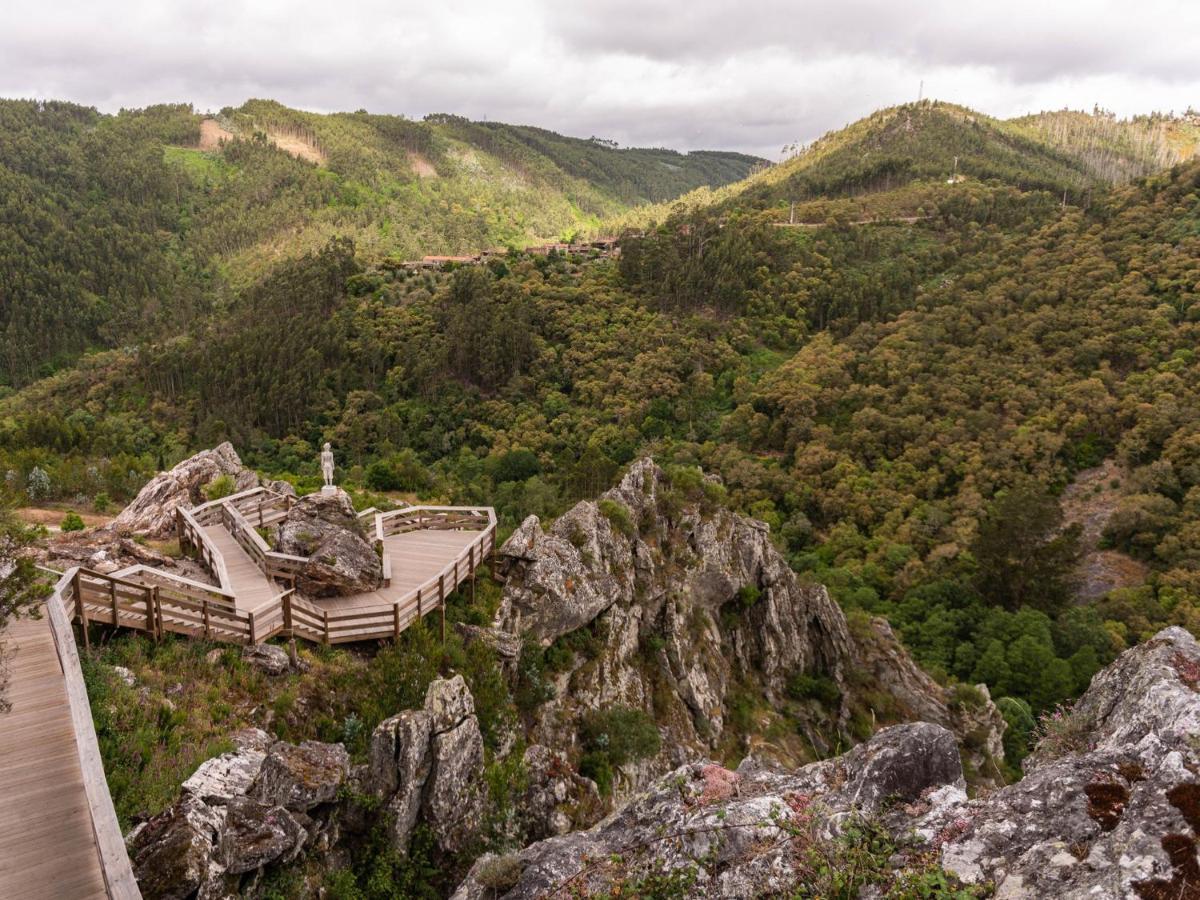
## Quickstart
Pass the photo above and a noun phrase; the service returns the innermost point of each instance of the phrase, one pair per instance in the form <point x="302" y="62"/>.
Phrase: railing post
<point x="419" y="612"/>
<point x="287" y="613"/>
<point x="207" y="625"/>
<point x="112" y="592"/>
<point x="81" y="612"/>
<point x="150" y="613"/>
<point x="396" y="620"/>
<point x="159" y="630"/>
<point x="251" y="616"/>
<point x="442" y="588"/>
<point x="325" y="636"/>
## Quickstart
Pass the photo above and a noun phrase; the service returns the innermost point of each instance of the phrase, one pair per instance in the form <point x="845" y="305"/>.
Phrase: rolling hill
<point x="118" y="228"/>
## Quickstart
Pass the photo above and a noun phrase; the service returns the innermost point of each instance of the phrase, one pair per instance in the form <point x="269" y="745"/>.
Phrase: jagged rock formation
<point x="1109" y="808"/>
<point x="428" y="763"/>
<point x="152" y="512"/>
<point x="324" y="528"/>
<point x="105" y="550"/>
<point x="1110" y="803"/>
<point x="263" y="803"/>
<point x="686" y="598"/>
<point x="743" y="833"/>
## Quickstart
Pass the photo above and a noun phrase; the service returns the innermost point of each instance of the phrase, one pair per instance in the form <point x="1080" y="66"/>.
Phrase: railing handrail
<point x="141" y="568"/>
<point x="106" y="829"/>
<point x="198" y="533"/>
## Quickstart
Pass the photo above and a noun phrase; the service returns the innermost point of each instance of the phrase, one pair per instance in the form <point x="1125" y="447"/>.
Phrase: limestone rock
<point x="681" y="596"/>
<point x="172" y="854"/>
<point x="399" y="766"/>
<point x="1111" y="807"/>
<point x="736" y="825"/>
<point x="152" y="512"/>
<point x="267" y="658"/>
<point x="448" y="702"/>
<point x="324" y="528"/>
<point x="555" y="794"/>
<point x="256" y="834"/>
<point x="219" y="780"/>
<point x="428" y="764"/>
<point x="301" y="777"/>
<point x="506" y="644"/>
<point x="454" y="797"/>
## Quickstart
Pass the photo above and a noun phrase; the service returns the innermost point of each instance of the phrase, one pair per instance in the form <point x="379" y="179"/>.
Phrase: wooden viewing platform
<point x="59" y="835"/>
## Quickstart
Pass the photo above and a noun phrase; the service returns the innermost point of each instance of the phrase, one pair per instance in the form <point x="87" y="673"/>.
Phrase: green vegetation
<point x="901" y="402"/>
<point x="613" y="737"/>
<point x="105" y="216"/>
<point x="72" y="522"/>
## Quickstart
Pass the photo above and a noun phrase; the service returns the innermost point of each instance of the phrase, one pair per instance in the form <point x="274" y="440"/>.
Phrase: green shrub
<point x="101" y="502"/>
<point x="618" y="516"/>
<point x="221" y="486"/>
<point x="748" y="595"/>
<point x="613" y="737"/>
<point x="821" y="688"/>
<point x="72" y="522"/>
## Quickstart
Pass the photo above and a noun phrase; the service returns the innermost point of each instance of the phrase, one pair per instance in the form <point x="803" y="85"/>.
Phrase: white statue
<point x="327" y="466"/>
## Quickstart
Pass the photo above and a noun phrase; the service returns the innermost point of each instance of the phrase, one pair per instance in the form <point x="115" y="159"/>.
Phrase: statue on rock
<point x="327" y="469"/>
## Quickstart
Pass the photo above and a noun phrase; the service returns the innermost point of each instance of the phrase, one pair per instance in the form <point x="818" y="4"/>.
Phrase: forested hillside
<point x="902" y="400"/>
<point x="117" y="229"/>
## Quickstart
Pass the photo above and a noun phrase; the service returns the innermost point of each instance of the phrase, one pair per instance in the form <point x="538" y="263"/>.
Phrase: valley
<point x="887" y="450"/>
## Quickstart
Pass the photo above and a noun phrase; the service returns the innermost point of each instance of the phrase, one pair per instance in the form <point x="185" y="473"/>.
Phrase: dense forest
<point x="902" y="391"/>
<point x="118" y="229"/>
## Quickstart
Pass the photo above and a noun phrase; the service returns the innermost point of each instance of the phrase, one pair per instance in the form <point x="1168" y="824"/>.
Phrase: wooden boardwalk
<point x="250" y="587"/>
<point x="46" y="843"/>
<point x="59" y="835"/>
<point x="417" y="558"/>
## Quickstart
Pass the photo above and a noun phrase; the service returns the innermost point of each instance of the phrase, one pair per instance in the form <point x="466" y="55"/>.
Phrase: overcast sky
<point x="752" y="75"/>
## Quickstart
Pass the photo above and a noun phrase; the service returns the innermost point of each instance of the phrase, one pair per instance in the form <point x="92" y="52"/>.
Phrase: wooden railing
<point x="261" y="506"/>
<point x="106" y="830"/>
<point x="272" y="563"/>
<point x="159" y="602"/>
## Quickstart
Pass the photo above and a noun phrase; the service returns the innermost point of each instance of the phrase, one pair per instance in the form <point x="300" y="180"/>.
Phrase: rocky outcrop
<point x="267" y="658"/>
<point x="1109" y="808"/>
<point x="263" y="803"/>
<point x="428" y="764"/>
<point x="105" y="550"/>
<point x="1110" y="803"/>
<point x="324" y="528"/>
<point x="733" y="834"/>
<point x="681" y="599"/>
<point x="152" y="512"/>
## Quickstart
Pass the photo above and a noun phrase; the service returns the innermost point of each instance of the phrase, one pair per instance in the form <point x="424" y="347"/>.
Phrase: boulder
<point x="454" y="796"/>
<point x="734" y="830"/>
<point x="1110" y="803"/>
<point x="219" y="780"/>
<point x="257" y="834"/>
<point x="172" y="853"/>
<point x="267" y="658"/>
<point x="300" y="777"/>
<point x="152" y="512"/>
<point x="448" y="702"/>
<point x="324" y="528"/>
<point x="428" y="764"/>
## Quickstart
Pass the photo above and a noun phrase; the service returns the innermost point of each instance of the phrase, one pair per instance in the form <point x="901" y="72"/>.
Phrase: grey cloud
<point x="753" y="75"/>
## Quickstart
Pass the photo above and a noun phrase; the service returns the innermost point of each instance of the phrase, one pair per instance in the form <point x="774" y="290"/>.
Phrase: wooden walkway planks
<point x="251" y="587"/>
<point x="416" y="558"/>
<point x="47" y="846"/>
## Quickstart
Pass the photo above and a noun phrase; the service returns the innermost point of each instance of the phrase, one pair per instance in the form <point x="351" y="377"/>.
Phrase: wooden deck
<point x="47" y="845"/>
<point x="250" y="587"/>
<point x="59" y="835"/>
<point x="417" y="558"/>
